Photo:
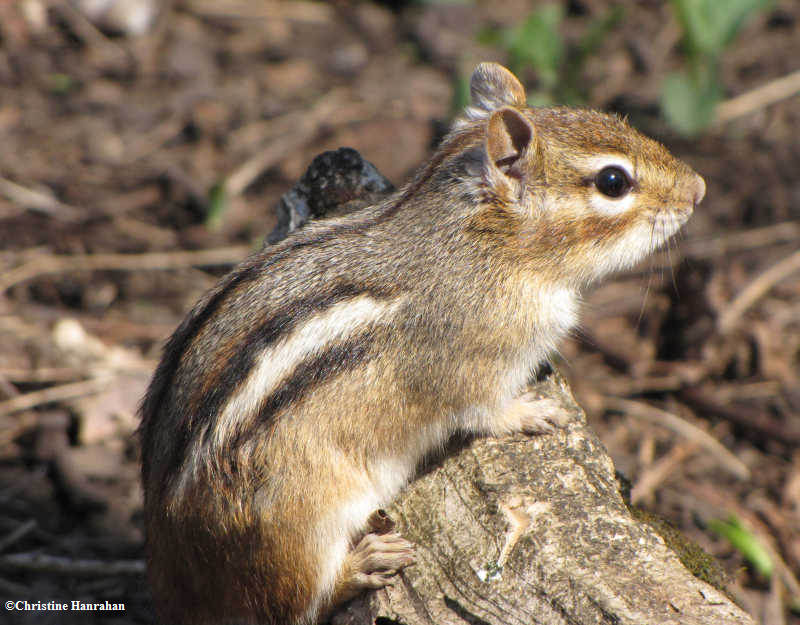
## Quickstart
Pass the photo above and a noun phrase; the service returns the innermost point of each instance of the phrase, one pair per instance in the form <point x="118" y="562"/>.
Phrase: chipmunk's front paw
<point x="532" y="415"/>
<point x="377" y="557"/>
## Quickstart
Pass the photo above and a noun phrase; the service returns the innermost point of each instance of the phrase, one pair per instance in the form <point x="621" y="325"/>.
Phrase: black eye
<point x="612" y="181"/>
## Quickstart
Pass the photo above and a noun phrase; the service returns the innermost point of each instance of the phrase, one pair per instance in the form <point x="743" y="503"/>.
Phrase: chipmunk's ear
<point x="509" y="136"/>
<point x="492" y="86"/>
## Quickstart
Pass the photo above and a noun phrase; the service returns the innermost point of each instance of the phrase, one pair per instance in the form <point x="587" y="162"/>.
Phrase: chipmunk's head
<point x="589" y="194"/>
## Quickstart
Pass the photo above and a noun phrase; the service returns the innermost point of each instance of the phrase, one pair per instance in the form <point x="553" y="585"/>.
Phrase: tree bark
<point x="521" y="529"/>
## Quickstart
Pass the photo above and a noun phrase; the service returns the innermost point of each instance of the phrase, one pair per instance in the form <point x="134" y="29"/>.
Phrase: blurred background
<point x="145" y="145"/>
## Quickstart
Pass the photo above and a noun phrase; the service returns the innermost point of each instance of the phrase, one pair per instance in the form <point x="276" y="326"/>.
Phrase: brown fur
<point x="456" y="288"/>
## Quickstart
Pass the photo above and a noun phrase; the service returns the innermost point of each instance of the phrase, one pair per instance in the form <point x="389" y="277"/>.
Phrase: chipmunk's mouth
<point x="681" y="215"/>
<point x="665" y="223"/>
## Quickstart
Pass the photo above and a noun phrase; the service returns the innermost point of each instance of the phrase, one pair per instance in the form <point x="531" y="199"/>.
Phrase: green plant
<point x="61" y="84"/>
<point x="745" y="542"/>
<point x="689" y="98"/>
<point x="537" y="43"/>
<point x="218" y="203"/>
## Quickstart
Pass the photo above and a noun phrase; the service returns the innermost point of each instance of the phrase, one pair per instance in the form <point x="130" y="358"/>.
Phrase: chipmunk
<point x="301" y="393"/>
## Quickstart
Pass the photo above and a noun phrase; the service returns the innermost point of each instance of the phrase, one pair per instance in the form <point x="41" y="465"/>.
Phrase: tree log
<point x="520" y="529"/>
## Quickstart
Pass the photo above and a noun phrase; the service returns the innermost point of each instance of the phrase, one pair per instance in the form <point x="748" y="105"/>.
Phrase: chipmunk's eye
<point x="612" y="181"/>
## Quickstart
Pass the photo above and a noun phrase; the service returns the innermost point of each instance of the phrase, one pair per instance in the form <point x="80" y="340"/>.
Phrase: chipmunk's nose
<point x="699" y="189"/>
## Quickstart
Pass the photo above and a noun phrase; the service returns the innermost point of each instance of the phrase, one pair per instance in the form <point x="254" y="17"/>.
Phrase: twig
<point x="713" y="247"/>
<point x="42" y="563"/>
<point x="625" y="386"/>
<point x="121" y="262"/>
<point x="709" y="247"/>
<point x="89" y="33"/>
<point x="6" y="387"/>
<point x="684" y="428"/>
<point x="774" y="612"/>
<point x="10" y="429"/>
<point x="42" y="375"/>
<point x="54" y="393"/>
<point x="761" y="97"/>
<point x="308" y="125"/>
<point x="266" y="132"/>
<point x="704" y="399"/>
<point x="17" y="534"/>
<point x="118" y="205"/>
<point x="654" y="475"/>
<point x="739" y="391"/>
<point x="311" y="12"/>
<point x="148" y="143"/>
<point x="756" y="290"/>
<point x="37" y="200"/>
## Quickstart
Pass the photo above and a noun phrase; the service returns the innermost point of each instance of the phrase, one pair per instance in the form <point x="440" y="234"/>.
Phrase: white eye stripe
<point x="611" y="206"/>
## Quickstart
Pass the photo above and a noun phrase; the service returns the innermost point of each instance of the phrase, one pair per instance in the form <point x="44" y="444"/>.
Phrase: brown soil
<point x="114" y="145"/>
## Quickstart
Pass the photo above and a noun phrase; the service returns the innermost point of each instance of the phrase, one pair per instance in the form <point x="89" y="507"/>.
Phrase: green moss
<point x="697" y="561"/>
<point x="701" y="564"/>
